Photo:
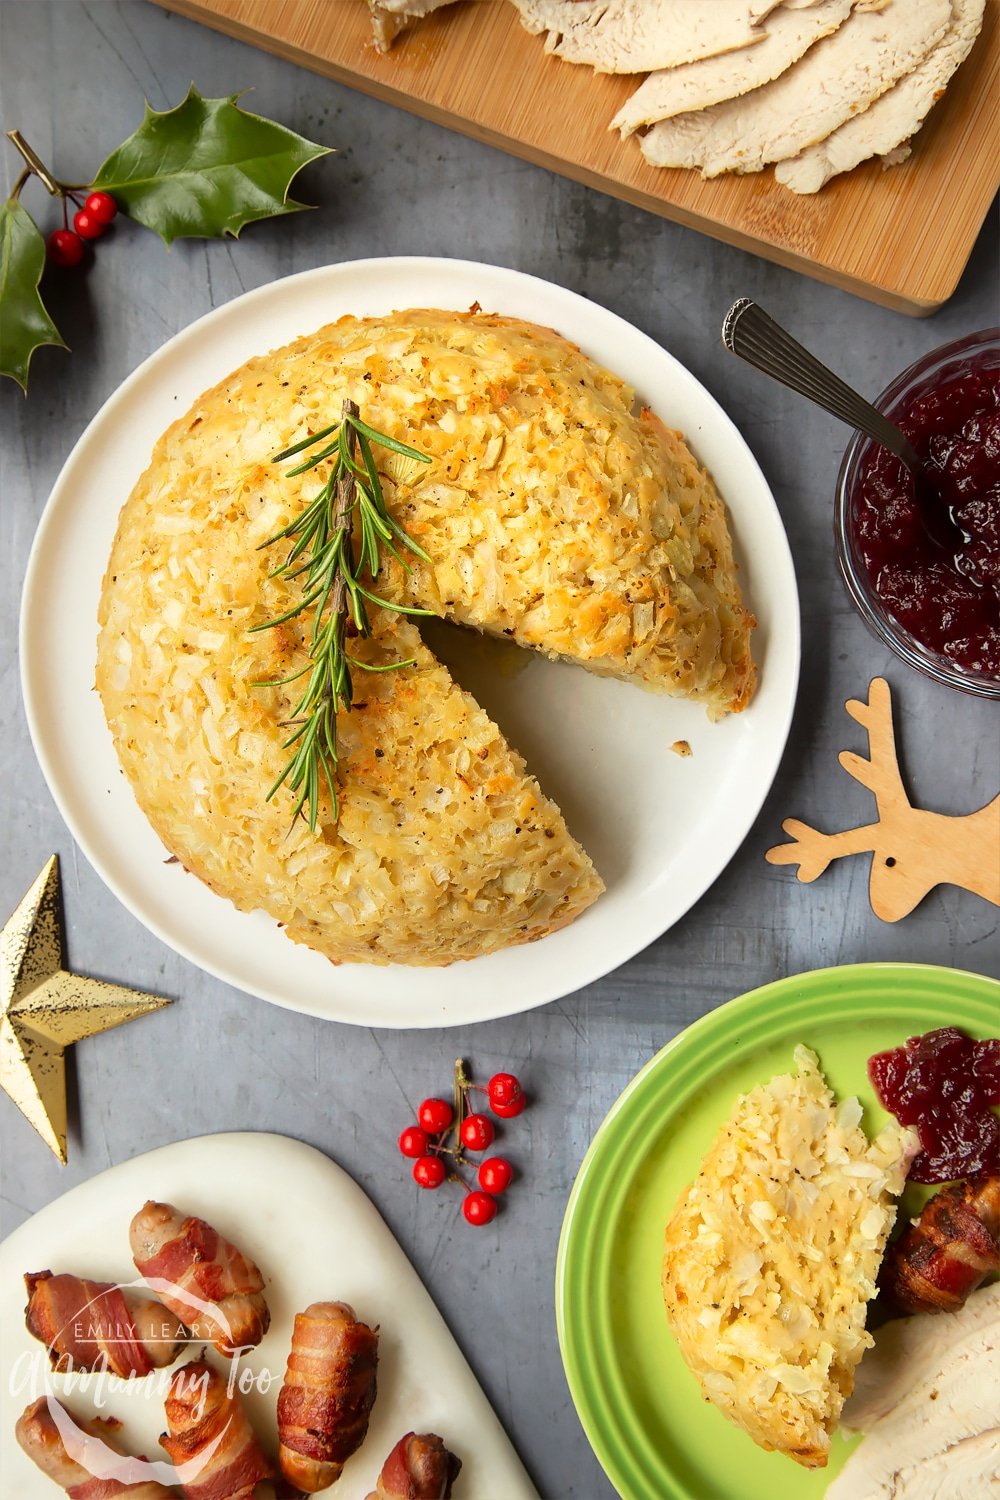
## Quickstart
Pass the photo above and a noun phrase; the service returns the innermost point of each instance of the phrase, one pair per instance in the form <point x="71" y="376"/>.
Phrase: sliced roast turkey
<point x="884" y="127"/>
<point x="837" y="78"/>
<point x="699" y="85"/>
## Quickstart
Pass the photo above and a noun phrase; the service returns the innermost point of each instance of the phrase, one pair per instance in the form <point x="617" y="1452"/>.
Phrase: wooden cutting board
<point x="899" y="237"/>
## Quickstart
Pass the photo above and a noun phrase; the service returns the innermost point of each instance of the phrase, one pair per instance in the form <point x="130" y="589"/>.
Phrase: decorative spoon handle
<point x="749" y="332"/>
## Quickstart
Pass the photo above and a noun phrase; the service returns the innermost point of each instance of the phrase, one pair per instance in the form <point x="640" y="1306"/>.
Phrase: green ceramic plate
<point x="640" y="1407"/>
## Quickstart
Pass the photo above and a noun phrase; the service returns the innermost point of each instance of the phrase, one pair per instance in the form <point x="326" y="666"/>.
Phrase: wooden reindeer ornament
<point x="912" y="850"/>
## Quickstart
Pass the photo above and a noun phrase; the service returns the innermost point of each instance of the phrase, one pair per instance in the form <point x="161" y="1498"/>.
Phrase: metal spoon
<point x="749" y="332"/>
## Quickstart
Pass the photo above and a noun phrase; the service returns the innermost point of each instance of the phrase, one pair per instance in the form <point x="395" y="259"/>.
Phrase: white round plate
<point x="659" y="827"/>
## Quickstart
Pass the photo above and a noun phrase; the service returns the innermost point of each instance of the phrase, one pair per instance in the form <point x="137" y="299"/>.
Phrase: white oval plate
<point x="315" y="1236"/>
<point x="658" y="827"/>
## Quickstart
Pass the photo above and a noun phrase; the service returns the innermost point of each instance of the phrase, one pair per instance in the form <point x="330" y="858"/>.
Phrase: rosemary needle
<point x="323" y="554"/>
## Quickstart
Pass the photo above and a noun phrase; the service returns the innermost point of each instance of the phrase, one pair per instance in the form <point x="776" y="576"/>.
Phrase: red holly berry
<point x="102" y="207"/>
<point x="496" y="1174"/>
<point x="435" y="1115"/>
<point x="429" y="1171"/>
<point x="479" y="1208"/>
<point x="65" y="248"/>
<point x="506" y="1095"/>
<point x="87" y="226"/>
<point x="476" y="1132"/>
<point x="413" y="1141"/>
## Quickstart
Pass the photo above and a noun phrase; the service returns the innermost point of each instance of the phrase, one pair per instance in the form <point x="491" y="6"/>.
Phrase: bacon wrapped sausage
<point x="205" y="1280"/>
<point x="38" y="1435"/>
<point x="206" y="1423"/>
<point x="327" y="1394"/>
<point x="949" y="1250"/>
<point x="418" y="1468"/>
<point x="88" y="1325"/>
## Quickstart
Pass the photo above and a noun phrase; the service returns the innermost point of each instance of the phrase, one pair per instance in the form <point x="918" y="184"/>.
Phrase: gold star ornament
<point x="43" y="1009"/>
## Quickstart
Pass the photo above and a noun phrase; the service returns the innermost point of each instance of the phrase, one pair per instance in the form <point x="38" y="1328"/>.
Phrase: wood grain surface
<point x="913" y="850"/>
<point x="899" y="237"/>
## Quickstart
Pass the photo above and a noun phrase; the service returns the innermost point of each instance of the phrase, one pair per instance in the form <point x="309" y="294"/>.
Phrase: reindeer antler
<point x="812" y="850"/>
<point x="880" y="773"/>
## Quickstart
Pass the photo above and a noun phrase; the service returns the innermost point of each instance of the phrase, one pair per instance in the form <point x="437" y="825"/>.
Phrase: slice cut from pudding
<point x="771" y="1257"/>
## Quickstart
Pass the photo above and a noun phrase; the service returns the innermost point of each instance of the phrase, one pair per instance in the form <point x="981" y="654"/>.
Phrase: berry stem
<point x="35" y="164"/>
<point x="462" y="1084"/>
<point x="461" y="1089"/>
<point x="438" y="1148"/>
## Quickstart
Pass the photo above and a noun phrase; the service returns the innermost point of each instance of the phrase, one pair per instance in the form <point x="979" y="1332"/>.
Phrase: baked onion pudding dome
<point x="553" y="514"/>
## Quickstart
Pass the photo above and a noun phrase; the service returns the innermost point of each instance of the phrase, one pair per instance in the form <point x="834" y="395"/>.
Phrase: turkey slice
<point x="910" y="1352"/>
<point x="837" y="78"/>
<point x="885" y="125"/>
<point x="390" y="17"/>
<point x="927" y="1398"/>
<point x="699" y="85"/>
<point x="968" y="1469"/>
<point x="619" y="36"/>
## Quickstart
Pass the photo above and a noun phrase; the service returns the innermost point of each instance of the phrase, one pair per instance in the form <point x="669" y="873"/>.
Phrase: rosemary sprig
<point x="323" y="553"/>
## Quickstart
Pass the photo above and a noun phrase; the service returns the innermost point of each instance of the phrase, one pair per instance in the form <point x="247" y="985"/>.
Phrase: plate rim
<point x="500" y="998"/>
<point x="716" y="1020"/>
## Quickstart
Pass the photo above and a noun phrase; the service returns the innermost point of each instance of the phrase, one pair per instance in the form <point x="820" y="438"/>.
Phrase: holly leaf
<point x="205" y="168"/>
<point x="24" y="324"/>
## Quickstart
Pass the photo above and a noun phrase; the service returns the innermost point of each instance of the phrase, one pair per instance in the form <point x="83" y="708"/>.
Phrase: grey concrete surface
<point x="72" y="77"/>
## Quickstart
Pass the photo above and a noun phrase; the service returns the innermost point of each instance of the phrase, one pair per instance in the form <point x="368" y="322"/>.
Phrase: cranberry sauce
<point x="946" y="1085"/>
<point x="947" y="600"/>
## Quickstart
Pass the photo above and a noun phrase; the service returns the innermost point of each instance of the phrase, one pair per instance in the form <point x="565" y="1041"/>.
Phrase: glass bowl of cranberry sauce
<point x="937" y="607"/>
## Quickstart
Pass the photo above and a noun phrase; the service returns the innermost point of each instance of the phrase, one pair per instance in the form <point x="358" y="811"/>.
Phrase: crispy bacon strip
<point x="87" y="1325"/>
<point x="200" y="1413"/>
<point x="418" y="1468"/>
<point x="38" y="1435"/>
<point x="949" y="1250"/>
<point x="327" y="1394"/>
<point x="204" y="1268"/>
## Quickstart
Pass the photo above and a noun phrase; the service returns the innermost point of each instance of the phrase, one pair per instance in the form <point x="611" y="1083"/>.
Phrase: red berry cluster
<point x="66" y="246"/>
<point x="426" y="1143"/>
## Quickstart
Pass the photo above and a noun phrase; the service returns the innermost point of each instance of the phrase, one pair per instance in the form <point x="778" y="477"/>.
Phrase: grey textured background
<point x="73" y="78"/>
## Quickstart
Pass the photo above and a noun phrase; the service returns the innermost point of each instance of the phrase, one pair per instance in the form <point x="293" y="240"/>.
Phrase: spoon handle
<point x="751" y="334"/>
